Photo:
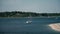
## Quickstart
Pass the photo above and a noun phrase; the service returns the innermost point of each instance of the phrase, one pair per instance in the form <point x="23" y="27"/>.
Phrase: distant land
<point x="27" y="14"/>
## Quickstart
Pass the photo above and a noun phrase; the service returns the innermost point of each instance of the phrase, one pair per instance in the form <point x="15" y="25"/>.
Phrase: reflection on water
<point x="18" y="26"/>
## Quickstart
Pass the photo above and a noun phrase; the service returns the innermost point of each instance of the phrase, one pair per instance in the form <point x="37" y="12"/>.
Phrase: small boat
<point x="29" y="21"/>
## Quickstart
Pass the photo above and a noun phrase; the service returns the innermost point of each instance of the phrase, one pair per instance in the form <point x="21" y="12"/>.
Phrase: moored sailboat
<point x="29" y="21"/>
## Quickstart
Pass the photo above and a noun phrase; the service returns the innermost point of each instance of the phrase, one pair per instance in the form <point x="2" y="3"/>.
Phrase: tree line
<point x="26" y="14"/>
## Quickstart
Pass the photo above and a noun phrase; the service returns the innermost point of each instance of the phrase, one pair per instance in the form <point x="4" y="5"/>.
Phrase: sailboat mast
<point x="30" y="16"/>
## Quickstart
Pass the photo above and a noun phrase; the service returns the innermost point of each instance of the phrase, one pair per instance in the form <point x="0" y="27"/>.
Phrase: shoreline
<point x="28" y="17"/>
<point x="55" y="26"/>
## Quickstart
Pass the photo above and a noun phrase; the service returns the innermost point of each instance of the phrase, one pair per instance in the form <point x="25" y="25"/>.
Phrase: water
<point x="18" y="26"/>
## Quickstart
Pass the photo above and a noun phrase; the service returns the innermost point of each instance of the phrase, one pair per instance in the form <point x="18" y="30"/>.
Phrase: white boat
<point x="29" y="21"/>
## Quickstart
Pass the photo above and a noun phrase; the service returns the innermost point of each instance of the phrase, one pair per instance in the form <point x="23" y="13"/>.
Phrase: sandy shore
<point x="55" y="26"/>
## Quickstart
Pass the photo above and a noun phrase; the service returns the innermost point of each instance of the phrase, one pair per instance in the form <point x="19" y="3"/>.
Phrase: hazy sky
<point x="40" y="6"/>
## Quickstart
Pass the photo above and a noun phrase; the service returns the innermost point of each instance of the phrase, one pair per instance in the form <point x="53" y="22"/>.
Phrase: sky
<point x="39" y="6"/>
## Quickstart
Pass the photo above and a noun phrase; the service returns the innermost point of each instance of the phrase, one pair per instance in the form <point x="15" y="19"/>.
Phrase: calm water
<point x="18" y="26"/>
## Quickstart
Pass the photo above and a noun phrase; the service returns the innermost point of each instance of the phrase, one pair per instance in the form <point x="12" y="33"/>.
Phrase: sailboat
<point x="56" y="16"/>
<point x="48" y="15"/>
<point x="29" y="21"/>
